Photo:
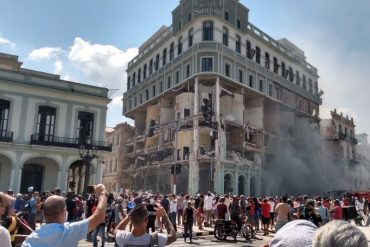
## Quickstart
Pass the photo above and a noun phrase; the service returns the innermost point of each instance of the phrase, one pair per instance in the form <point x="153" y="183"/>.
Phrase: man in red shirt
<point x="221" y="209"/>
<point x="337" y="212"/>
<point x="266" y="207"/>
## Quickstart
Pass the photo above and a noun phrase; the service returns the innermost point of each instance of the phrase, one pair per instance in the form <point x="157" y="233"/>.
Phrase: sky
<point x="91" y="41"/>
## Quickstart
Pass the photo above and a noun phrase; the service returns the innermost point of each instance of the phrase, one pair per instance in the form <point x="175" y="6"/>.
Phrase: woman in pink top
<point x="337" y="212"/>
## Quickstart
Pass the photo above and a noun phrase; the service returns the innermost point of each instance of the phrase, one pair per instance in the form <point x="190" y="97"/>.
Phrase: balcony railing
<point x="345" y="137"/>
<point x="51" y="140"/>
<point x="6" y="136"/>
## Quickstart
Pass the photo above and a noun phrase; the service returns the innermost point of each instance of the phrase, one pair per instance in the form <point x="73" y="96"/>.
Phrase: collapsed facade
<point x="214" y="94"/>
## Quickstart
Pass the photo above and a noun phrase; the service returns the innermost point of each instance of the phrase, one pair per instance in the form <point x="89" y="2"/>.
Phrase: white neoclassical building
<point x="43" y="122"/>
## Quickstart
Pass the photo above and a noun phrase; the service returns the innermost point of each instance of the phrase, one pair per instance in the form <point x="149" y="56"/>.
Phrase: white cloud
<point x="45" y="53"/>
<point x="5" y="41"/>
<point x="102" y="64"/>
<point x="117" y="101"/>
<point x="58" y="67"/>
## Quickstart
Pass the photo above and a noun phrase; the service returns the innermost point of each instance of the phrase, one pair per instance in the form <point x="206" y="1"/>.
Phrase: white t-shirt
<point x="272" y="204"/>
<point x="173" y="206"/>
<point x="126" y="239"/>
<point x="4" y="237"/>
<point x="208" y="202"/>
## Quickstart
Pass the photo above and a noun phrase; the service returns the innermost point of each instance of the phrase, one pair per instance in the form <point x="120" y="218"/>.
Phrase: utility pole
<point x="175" y="157"/>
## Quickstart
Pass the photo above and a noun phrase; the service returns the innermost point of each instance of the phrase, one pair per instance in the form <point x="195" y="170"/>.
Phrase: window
<point x="190" y="38"/>
<point x="310" y="85"/>
<point x="207" y="64"/>
<point x="139" y="76"/>
<point x="179" y="25"/>
<point x="278" y="92"/>
<point x="4" y="117"/>
<point x="45" y="123"/>
<point x="283" y="73"/>
<point x="249" y="50"/>
<point x="129" y="105"/>
<point x="304" y="82"/>
<point x="189" y="17"/>
<point x="168" y="82"/>
<point x="186" y="112"/>
<point x="238" y="23"/>
<point x="258" y="55"/>
<point x="207" y="30"/>
<point x="240" y="76"/>
<point x="316" y="88"/>
<point x="297" y="78"/>
<point x="164" y="58"/>
<point x="227" y="69"/>
<point x="153" y="91"/>
<point x="133" y="79"/>
<point x="172" y="51"/>
<point x="225" y="36"/>
<point x="267" y="60"/>
<point x="157" y="62"/>
<point x="291" y="74"/>
<point x="144" y="71"/>
<point x="237" y="44"/>
<point x="270" y="90"/>
<point x="135" y="101"/>
<point x="179" y="46"/>
<point x="261" y="86"/>
<point x="177" y="79"/>
<point x="161" y="87"/>
<point x="276" y="66"/>
<point x="141" y="98"/>
<point x="226" y="15"/>
<point x="150" y="66"/>
<point x="251" y="80"/>
<point x="86" y="126"/>
<point x="146" y="94"/>
<point x="188" y="70"/>
<point x="128" y="82"/>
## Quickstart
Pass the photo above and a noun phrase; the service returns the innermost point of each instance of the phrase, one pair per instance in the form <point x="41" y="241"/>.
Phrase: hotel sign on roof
<point x="208" y="8"/>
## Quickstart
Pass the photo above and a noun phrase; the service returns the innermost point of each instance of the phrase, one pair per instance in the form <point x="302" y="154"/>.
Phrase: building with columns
<point x="43" y="122"/>
<point x="113" y="163"/>
<point x="213" y="93"/>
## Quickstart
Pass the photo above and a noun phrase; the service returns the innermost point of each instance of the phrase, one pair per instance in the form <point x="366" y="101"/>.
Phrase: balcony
<point x="6" y="136"/>
<point x="55" y="141"/>
<point x="344" y="137"/>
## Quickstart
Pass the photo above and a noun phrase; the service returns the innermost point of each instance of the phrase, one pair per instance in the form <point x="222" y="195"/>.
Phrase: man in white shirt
<point x="56" y="232"/>
<point x="173" y="211"/>
<point x="138" y="237"/>
<point x="208" y="206"/>
<point x="272" y="211"/>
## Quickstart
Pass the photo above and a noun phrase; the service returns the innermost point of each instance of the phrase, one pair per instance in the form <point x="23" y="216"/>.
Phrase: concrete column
<point x="218" y="179"/>
<point x="193" y="185"/>
<point x="99" y="173"/>
<point x="17" y="174"/>
<point x="63" y="172"/>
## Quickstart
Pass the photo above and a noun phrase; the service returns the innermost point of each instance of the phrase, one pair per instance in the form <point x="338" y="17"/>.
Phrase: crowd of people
<point x="138" y="218"/>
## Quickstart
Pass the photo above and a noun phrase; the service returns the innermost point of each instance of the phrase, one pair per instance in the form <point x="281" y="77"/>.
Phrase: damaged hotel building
<point x="213" y="93"/>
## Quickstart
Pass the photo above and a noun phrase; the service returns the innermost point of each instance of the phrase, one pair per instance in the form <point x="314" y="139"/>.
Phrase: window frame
<point x="203" y="66"/>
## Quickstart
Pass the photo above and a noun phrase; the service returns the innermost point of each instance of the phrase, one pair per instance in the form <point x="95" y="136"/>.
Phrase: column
<point x="218" y="180"/>
<point x="63" y="171"/>
<point x="193" y="186"/>
<point x="17" y="174"/>
<point x="248" y="192"/>
<point x="99" y="173"/>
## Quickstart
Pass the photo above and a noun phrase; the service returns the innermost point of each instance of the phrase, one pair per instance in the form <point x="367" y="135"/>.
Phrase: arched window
<point x="144" y="71"/>
<point x="157" y="62"/>
<point x="283" y="69"/>
<point x="276" y="65"/>
<point x="150" y="66"/>
<point x="4" y="117"/>
<point x="267" y="60"/>
<point x="237" y="44"/>
<point x="297" y="78"/>
<point x="128" y="82"/>
<point x="258" y="55"/>
<point x="249" y="50"/>
<point x="225" y="36"/>
<point x="172" y="51"/>
<point x="310" y="85"/>
<point x="304" y="82"/>
<point x="139" y="76"/>
<point x="208" y="31"/>
<point x="133" y="79"/>
<point x="179" y="46"/>
<point x="190" y="37"/>
<point x="45" y="123"/>
<point x="164" y="58"/>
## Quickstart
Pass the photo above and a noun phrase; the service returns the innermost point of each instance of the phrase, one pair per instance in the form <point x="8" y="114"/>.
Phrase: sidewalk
<point x="196" y="232"/>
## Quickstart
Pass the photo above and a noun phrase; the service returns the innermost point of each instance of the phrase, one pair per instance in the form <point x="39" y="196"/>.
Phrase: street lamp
<point x="87" y="153"/>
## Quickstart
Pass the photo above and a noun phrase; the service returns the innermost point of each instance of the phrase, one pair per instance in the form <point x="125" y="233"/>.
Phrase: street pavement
<point x="209" y="240"/>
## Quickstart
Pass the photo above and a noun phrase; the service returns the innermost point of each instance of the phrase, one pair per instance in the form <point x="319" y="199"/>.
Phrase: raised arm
<point x="122" y="225"/>
<point x="98" y="216"/>
<point x="171" y="233"/>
